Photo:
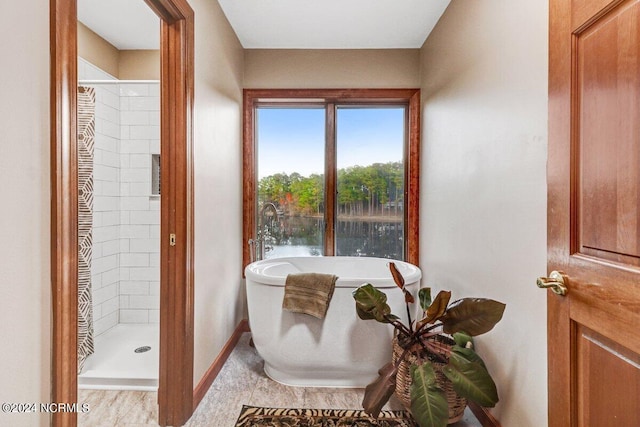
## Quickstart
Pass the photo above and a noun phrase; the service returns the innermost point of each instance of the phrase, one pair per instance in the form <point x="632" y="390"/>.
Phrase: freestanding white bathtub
<point x="338" y="351"/>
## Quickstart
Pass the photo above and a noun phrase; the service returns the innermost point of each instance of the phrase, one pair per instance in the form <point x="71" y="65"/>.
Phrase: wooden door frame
<point x="175" y="390"/>
<point x="559" y="391"/>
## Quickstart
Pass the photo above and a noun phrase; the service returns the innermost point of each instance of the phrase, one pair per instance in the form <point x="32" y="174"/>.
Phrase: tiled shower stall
<point x="125" y="271"/>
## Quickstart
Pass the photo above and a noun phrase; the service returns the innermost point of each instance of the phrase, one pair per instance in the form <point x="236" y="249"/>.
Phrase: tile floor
<point x="241" y="381"/>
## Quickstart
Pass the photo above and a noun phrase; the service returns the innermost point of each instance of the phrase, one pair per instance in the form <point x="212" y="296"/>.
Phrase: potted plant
<point x="439" y="344"/>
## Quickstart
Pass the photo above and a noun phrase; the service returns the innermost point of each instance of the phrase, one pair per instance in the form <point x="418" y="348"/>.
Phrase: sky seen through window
<point x="292" y="139"/>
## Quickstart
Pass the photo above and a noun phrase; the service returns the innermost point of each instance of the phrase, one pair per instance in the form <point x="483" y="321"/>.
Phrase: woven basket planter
<point x="416" y="355"/>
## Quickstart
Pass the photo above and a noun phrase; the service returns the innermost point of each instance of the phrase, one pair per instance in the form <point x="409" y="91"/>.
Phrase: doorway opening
<point x="118" y="209"/>
<point x="175" y="382"/>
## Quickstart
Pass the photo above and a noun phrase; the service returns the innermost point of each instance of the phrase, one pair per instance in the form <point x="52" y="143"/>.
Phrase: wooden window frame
<point x="331" y="97"/>
<point x="175" y="388"/>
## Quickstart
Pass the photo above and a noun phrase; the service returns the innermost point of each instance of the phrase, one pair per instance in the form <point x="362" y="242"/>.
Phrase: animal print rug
<point x="252" y="416"/>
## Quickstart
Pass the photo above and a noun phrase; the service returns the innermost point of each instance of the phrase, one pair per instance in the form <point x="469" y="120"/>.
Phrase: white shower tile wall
<point x="140" y="221"/>
<point x="105" y="268"/>
<point x="126" y="245"/>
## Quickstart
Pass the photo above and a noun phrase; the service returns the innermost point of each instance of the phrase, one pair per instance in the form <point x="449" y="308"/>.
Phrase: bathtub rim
<point x="411" y="273"/>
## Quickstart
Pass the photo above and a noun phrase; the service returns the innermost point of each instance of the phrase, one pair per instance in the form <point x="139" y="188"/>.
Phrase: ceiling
<point x="126" y="24"/>
<point x="333" y="24"/>
<point x="270" y="24"/>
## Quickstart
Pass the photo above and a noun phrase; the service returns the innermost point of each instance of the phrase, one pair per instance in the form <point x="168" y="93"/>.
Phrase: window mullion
<point x="330" y="180"/>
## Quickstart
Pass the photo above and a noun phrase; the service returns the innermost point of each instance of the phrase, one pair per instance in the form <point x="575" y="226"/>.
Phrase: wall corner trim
<point x="213" y="371"/>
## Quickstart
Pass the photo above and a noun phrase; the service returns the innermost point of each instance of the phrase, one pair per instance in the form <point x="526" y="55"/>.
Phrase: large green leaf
<point x="463" y="339"/>
<point x="471" y="380"/>
<point x="429" y="404"/>
<point x="379" y="391"/>
<point x="474" y="316"/>
<point x="424" y="295"/>
<point x="468" y="354"/>
<point x="372" y="304"/>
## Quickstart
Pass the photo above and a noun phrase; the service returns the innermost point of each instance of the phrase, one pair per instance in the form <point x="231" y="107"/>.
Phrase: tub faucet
<point x="267" y="207"/>
<point x="257" y="246"/>
<point x="253" y="248"/>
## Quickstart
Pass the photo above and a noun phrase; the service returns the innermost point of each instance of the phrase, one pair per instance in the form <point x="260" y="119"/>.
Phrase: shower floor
<point x="116" y="366"/>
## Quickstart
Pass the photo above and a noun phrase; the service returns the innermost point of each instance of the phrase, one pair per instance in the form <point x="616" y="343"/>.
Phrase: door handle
<point x="555" y="282"/>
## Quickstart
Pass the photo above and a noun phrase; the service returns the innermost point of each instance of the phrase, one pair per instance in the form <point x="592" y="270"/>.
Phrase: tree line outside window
<point x="373" y="190"/>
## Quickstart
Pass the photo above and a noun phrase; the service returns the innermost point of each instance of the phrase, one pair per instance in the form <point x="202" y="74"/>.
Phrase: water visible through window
<point x="369" y="192"/>
<point x="370" y="150"/>
<point x="291" y="146"/>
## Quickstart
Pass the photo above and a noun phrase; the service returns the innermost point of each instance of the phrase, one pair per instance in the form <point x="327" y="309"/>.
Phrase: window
<point x="331" y="172"/>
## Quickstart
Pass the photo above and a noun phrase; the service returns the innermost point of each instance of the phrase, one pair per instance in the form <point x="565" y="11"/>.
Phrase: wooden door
<point x="594" y="213"/>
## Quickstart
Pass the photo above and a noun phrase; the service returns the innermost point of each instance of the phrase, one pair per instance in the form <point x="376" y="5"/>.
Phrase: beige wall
<point x="24" y="222"/>
<point x="293" y="68"/>
<point x="219" y="291"/>
<point x="139" y="64"/>
<point x="483" y="205"/>
<point x="25" y="296"/>
<point x="97" y="50"/>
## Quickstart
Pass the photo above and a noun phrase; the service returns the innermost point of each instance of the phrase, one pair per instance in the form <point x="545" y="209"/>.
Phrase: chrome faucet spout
<point x="268" y="214"/>
<point x="267" y="207"/>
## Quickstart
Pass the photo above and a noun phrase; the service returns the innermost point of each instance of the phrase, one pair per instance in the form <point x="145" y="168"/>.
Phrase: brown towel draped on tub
<point x="308" y="293"/>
